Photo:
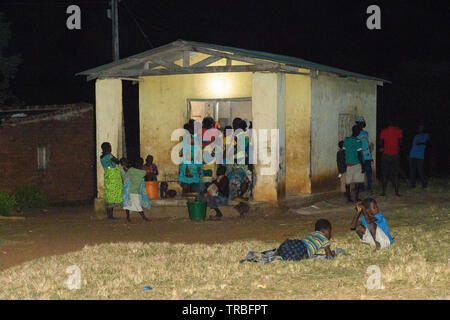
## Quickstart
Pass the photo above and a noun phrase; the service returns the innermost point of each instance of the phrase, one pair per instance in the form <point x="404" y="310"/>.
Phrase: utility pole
<point x="115" y="54"/>
<point x="115" y="28"/>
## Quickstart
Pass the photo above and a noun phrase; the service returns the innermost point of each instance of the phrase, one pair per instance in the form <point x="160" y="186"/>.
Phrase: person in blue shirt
<point x="370" y="225"/>
<point x="366" y="153"/>
<point x="417" y="156"/>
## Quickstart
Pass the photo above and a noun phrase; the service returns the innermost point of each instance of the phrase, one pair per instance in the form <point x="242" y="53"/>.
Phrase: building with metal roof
<point x="309" y="106"/>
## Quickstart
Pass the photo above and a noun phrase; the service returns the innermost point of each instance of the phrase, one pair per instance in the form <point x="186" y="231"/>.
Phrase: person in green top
<point x="135" y="193"/>
<point x="354" y="161"/>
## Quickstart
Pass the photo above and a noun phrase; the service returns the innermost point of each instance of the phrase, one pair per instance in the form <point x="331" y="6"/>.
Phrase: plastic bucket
<point x="197" y="210"/>
<point x="152" y="189"/>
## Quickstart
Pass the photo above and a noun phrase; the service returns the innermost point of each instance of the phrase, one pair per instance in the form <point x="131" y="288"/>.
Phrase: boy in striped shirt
<point x="310" y="245"/>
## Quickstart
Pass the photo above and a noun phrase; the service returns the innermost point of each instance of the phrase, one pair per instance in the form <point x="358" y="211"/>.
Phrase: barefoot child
<point x="134" y="192"/>
<point x="370" y="224"/>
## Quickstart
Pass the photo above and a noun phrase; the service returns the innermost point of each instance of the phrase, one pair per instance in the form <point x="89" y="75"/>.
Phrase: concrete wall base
<point x="176" y="208"/>
<point x="306" y="200"/>
<point x="99" y="205"/>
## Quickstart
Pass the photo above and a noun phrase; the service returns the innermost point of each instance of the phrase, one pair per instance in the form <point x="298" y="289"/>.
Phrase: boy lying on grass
<point x="296" y="249"/>
<point x="371" y="227"/>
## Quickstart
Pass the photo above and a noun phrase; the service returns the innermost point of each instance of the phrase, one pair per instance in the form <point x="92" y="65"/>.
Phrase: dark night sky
<point x="411" y="50"/>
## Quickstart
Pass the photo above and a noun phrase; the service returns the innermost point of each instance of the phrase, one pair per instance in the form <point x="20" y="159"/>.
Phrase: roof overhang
<point x="188" y="57"/>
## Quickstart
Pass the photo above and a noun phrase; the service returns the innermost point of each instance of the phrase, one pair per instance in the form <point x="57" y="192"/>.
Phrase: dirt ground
<point x="67" y="229"/>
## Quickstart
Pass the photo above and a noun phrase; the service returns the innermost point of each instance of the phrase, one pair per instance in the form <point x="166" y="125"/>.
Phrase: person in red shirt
<point x="390" y="142"/>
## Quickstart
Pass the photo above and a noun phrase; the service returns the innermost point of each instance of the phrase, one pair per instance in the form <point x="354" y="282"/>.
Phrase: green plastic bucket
<point x="197" y="210"/>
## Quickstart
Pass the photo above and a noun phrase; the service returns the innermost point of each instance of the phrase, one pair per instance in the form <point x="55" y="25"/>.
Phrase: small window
<point x="43" y="157"/>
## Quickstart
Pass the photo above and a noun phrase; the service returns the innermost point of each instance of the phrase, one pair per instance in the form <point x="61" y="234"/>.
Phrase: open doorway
<point x="222" y="111"/>
<point x="130" y="100"/>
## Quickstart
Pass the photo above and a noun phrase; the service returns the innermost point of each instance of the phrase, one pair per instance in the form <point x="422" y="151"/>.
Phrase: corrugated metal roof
<point x="287" y="60"/>
<point x="41" y="113"/>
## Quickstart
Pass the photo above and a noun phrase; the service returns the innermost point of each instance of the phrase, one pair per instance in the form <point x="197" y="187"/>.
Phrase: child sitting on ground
<point x="216" y="194"/>
<point x="371" y="227"/>
<point x="295" y="249"/>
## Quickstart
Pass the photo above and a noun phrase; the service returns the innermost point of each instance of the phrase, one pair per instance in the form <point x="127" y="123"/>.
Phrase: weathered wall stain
<point x="108" y="111"/>
<point x="298" y="114"/>
<point x="331" y="96"/>
<point x="324" y="182"/>
<point x="268" y="96"/>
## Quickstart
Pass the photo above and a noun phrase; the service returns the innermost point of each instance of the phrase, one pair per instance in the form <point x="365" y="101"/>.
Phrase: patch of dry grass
<point x="415" y="267"/>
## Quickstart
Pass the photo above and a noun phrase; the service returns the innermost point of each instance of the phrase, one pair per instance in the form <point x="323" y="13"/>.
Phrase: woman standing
<point x="112" y="180"/>
<point x="240" y="173"/>
<point x="191" y="168"/>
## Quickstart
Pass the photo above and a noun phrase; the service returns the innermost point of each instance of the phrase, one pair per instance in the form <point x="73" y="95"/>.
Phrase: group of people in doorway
<point x="215" y="183"/>
<point x="127" y="184"/>
<point x="354" y="158"/>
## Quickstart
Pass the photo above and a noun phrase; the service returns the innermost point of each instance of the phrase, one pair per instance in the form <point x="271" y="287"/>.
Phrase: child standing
<point x="151" y="177"/>
<point x="134" y="192"/>
<point x="353" y="157"/>
<point x="342" y="166"/>
<point x="123" y="167"/>
<point x="151" y="170"/>
<point x="371" y="227"/>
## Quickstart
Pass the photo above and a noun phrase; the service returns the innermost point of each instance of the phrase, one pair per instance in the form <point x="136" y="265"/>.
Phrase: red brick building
<point x="52" y="148"/>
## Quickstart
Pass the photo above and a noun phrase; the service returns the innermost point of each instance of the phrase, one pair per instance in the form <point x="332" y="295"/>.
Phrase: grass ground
<point x="415" y="267"/>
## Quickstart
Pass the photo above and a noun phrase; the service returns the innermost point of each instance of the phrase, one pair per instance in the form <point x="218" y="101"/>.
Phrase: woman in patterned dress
<point x="112" y="180"/>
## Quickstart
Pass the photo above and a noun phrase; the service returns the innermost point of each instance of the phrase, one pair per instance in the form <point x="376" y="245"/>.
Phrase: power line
<point x="138" y="25"/>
